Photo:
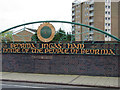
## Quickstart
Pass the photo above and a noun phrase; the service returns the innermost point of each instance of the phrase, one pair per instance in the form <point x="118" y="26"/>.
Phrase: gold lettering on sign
<point x="53" y="48"/>
<point x="111" y="52"/>
<point x="33" y="50"/>
<point x="74" y="46"/>
<point x="92" y="51"/>
<point x="33" y="46"/>
<point x="82" y="51"/>
<point x="45" y="45"/>
<point x="102" y="51"/>
<point x="39" y="50"/>
<point x="77" y="50"/>
<point x="46" y="50"/>
<point x="50" y="50"/>
<point x="72" y="50"/>
<point x="9" y="50"/>
<point x="66" y="51"/>
<point x="87" y="51"/>
<point x="25" y="50"/>
<point x="97" y="51"/>
<point x="106" y="51"/>
<point x="59" y="45"/>
<point x="26" y="45"/>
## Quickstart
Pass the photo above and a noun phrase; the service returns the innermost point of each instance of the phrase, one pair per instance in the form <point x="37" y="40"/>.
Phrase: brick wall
<point x="61" y="64"/>
<point x="23" y="36"/>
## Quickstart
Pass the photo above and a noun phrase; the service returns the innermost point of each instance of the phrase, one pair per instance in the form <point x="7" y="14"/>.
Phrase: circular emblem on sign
<point x="46" y="32"/>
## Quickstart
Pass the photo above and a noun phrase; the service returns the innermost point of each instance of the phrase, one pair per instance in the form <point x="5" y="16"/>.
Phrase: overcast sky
<point x="15" y="12"/>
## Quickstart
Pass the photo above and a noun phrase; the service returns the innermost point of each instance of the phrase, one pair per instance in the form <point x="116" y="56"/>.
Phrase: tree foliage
<point x="7" y="36"/>
<point x="60" y="35"/>
<point x="34" y="37"/>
